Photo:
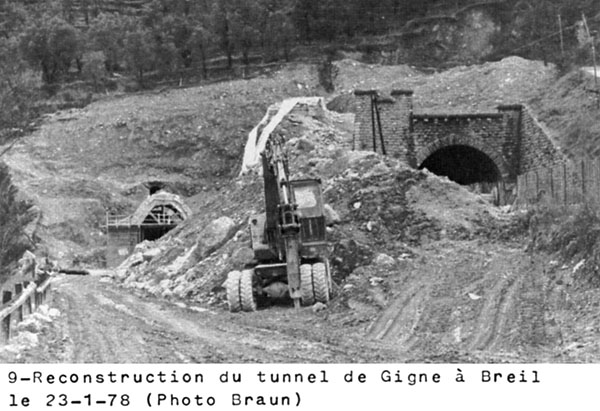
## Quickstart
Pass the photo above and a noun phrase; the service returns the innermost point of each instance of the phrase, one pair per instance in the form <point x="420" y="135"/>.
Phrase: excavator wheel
<point x="233" y="291"/>
<point x="306" y="284"/>
<point x="320" y="282"/>
<point x="247" y="300"/>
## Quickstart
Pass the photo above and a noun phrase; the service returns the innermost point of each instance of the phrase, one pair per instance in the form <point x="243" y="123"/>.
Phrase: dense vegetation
<point x="15" y="214"/>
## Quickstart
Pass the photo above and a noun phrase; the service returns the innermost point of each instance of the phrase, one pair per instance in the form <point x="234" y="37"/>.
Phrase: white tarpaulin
<point x="256" y="144"/>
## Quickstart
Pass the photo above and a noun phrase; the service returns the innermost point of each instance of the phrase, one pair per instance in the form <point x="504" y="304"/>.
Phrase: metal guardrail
<point x="118" y="220"/>
<point x="22" y="297"/>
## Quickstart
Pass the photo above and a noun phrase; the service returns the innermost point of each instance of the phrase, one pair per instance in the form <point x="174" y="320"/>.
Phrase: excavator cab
<point x="309" y="201"/>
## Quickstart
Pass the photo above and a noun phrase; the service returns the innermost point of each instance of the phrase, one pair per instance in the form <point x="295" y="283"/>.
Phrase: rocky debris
<point x="384" y="260"/>
<point x="276" y="290"/>
<point x="242" y="256"/>
<point x="331" y="216"/>
<point x="349" y="254"/>
<point x="28" y="330"/>
<point x="217" y="233"/>
<point x="318" y="307"/>
<point x="377" y="210"/>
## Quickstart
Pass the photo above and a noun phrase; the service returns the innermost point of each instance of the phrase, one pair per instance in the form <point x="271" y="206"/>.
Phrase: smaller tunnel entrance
<point x="462" y="164"/>
<point x="159" y="221"/>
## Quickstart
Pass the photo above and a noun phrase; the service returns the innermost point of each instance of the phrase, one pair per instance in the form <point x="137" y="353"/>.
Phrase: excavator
<point x="288" y="240"/>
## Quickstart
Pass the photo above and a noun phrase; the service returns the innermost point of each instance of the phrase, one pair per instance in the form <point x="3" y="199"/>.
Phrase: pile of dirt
<point x="83" y="162"/>
<point x="569" y="108"/>
<point x="477" y="88"/>
<point x="382" y="209"/>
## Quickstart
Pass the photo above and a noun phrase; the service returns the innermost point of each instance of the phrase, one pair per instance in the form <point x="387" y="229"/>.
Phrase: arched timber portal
<point x="155" y="216"/>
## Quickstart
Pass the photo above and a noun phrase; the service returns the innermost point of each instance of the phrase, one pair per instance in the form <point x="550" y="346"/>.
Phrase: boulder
<point x="349" y="254"/>
<point x="217" y="233"/>
<point x="242" y="256"/>
<point x="151" y="253"/>
<point x="318" y="307"/>
<point x="30" y="324"/>
<point x="276" y="290"/>
<point x="384" y="260"/>
<point x="331" y="216"/>
<point x="305" y="145"/>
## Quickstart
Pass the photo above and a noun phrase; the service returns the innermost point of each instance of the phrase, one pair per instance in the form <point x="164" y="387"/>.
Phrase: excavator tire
<point x="247" y="300"/>
<point x="320" y="282"/>
<point x="306" y="284"/>
<point x="233" y="291"/>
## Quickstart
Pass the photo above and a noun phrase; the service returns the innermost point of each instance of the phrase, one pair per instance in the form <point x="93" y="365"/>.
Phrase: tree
<point x="139" y="52"/>
<point x="50" y="45"/>
<point x="12" y="18"/>
<point x="199" y="41"/>
<point x="223" y="28"/>
<point x="107" y="34"/>
<point x="18" y="90"/>
<point x="244" y="17"/>
<point x="14" y="216"/>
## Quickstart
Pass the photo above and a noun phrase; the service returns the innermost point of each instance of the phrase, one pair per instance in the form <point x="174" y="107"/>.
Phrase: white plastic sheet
<point x="255" y="143"/>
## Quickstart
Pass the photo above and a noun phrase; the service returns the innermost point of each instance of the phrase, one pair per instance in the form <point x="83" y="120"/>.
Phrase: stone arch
<point x="475" y="143"/>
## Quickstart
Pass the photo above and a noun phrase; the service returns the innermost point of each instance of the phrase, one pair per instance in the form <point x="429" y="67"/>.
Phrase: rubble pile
<point x="378" y="211"/>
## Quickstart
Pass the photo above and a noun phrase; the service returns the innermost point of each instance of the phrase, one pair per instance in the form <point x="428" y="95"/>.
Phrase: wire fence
<point x="566" y="183"/>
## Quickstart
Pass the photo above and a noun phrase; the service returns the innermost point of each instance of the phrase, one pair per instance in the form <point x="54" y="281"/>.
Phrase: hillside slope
<point x="424" y="269"/>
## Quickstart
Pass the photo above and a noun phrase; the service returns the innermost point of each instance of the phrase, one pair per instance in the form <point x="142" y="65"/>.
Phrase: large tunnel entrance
<point x="462" y="164"/>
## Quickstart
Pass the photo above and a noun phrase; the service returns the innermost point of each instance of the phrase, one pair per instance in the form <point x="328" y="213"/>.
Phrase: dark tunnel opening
<point x="462" y="164"/>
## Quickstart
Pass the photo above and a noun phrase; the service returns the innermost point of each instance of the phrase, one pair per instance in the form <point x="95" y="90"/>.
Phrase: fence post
<point x="551" y="186"/>
<point x="583" y="179"/>
<point x="29" y="303"/>
<point x="597" y="175"/>
<point x="18" y="291"/>
<point x="6" y="297"/>
<point x="565" y="183"/>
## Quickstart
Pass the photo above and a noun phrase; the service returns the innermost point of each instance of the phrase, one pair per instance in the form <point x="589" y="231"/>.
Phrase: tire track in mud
<point x="485" y="298"/>
<point x="104" y="323"/>
<point x="493" y="317"/>
<point x="400" y="320"/>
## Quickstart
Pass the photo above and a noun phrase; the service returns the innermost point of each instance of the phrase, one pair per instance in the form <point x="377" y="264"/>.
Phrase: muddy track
<point x="101" y="322"/>
<point x="471" y="298"/>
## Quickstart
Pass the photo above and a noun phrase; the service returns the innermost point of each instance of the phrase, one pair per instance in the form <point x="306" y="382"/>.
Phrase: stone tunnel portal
<point x="462" y="164"/>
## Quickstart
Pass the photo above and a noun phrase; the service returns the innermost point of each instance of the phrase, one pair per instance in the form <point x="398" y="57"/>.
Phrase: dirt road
<point x="100" y="322"/>
<point x="457" y="301"/>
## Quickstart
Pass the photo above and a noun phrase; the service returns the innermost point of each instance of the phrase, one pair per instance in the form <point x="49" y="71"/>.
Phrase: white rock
<point x="384" y="260"/>
<point x="30" y="324"/>
<point x="213" y="236"/>
<point x="375" y="280"/>
<point x="318" y="307"/>
<point x="26" y="339"/>
<point x="331" y="216"/>
<point x="151" y="253"/>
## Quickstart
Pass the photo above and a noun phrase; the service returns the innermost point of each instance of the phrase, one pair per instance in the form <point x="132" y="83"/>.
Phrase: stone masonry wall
<point x="537" y="149"/>
<point x="511" y="137"/>
<point x="394" y="112"/>
<point x="485" y="132"/>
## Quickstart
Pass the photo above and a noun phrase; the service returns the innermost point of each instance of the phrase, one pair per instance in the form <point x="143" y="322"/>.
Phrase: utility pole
<point x="587" y="30"/>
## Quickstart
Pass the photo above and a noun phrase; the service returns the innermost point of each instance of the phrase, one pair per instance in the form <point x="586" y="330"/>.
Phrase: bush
<point x="15" y="215"/>
<point x="575" y="237"/>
